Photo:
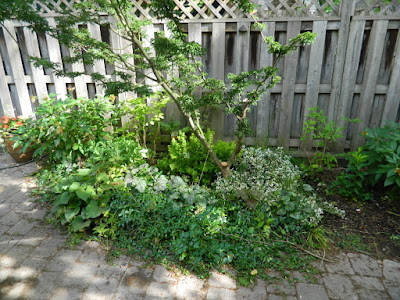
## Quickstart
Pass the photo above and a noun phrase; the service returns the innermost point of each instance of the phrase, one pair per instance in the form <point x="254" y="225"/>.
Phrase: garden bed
<point x="370" y="227"/>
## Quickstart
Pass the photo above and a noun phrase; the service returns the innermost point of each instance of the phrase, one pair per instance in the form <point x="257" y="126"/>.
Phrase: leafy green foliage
<point x="377" y="162"/>
<point x="143" y="118"/>
<point x="187" y="157"/>
<point x="199" y="237"/>
<point x="268" y="182"/>
<point x="82" y="197"/>
<point x="67" y="130"/>
<point x="325" y="133"/>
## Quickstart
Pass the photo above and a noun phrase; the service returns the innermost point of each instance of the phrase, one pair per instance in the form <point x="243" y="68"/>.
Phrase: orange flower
<point x="5" y="126"/>
<point x="364" y="133"/>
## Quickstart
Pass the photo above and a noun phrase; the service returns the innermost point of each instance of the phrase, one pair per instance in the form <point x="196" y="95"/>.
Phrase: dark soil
<point x="369" y="227"/>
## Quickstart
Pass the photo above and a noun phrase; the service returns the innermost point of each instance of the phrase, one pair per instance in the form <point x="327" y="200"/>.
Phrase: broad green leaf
<point x="75" y="147"/>
<point x="391" y="172"/>
<point x="389" y="181"/>
<point x="78" y="223"/>
<point x="70" y="213"/>
<point x="398" y="181"/>
<point x="74" y="186"/>
<point x="56" y="189"/>
<point x="82" y="193"/>
<point x="84" y="172"/>
<point x="92" y="210"/>
<point x="251" y="230"/>
<point x="62" y="199"/>
<point x="102" y="177"/>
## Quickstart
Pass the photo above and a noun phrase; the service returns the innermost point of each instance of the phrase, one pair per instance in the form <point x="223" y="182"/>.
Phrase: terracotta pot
<point x="18" y="157"/>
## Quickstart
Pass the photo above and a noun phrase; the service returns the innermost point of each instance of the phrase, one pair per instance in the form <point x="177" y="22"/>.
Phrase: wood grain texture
<point x="375" y="50"/>
<point x="10" y="38"/>
<point x="289" y="77"/>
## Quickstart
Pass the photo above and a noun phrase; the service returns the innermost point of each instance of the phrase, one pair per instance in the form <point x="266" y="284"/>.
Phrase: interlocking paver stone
<point x="221" y="280"/>
<point x="339" y="287"/>
<point x="190" y="287"/>
<point x="161" y="274"/>
<point x="217" y="293"/>
<point x="283" y="287"/>
<point x="280" y="297"/>
<point x="393" y="288"/>
<point x="367" y="283"/>
<point x="364" y="265"/>
<point x="373" y="295"/>
<point x="159" y="290"/>
<point x="391" y="270"/>
<point x="308" y="291"/>
<point x="341" y="266"/>
<point x="10" y="218"/>
<point x="22" y="227"/>
<point x="258" y="292"/>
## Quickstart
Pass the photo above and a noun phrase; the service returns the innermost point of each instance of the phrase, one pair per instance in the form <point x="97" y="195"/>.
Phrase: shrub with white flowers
<point x="270" y="183"/>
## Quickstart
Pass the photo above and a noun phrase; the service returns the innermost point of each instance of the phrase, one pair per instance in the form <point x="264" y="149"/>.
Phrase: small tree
<point x="166" y="57"/>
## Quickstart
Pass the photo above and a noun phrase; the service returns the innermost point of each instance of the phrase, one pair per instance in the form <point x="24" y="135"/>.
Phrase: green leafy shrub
<point x="269" y="183"/>
<point x="325" y="133"/>
<point x="351" y="183"/>
<point x="377" y="162"/>
<point x="83" y="197"/>
<point x="68" y="129"/>
<point x="187" y="157"/>
<point x="80" y="196"/>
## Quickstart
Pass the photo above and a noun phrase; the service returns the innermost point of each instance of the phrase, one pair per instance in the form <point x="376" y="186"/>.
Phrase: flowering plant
<point x="9" y="124"/>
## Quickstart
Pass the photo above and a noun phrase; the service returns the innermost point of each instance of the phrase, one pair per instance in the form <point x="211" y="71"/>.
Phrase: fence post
<point x="347" y="9"/>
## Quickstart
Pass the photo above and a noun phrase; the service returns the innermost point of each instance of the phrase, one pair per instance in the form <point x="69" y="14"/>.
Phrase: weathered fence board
<point x="352" y="69"/>
<point x="392" y="106"/>
<point x="263" y="107"/>
<point x="314" y="72"/>
<point x="24" y="106"/>
<point x="288" y="81"/>
<point x="375" y="50"/>
<point x="352" y="59"/>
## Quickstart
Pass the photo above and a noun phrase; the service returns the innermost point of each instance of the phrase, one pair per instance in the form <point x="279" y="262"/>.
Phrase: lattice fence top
<point x="220" y="9"/>
<point x="226" y="9"/>
<point x="377" y="8"/>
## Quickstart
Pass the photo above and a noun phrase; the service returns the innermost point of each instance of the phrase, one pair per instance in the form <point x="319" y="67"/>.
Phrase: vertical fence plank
<point x="375" y="50"/>
<point x="99" y="66"/>
<point x="81" y="89"/>
<point x="56" y="57"/>
<point x="288" y="83"/>
<point x="17" y="69"/>
<point x="393" y="94"/>
<point x="346" y="10"/>
<point x="263" y="113"/>
<point x="217" y="71"/>
<point x="32" y="48"/>
<point x="314" y="73"/>
<point x="352" y="59"/>
<point x="5" y="98"/>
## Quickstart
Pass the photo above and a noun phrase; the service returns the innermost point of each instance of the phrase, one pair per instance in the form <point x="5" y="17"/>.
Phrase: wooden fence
<point x="352" y="70"/>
